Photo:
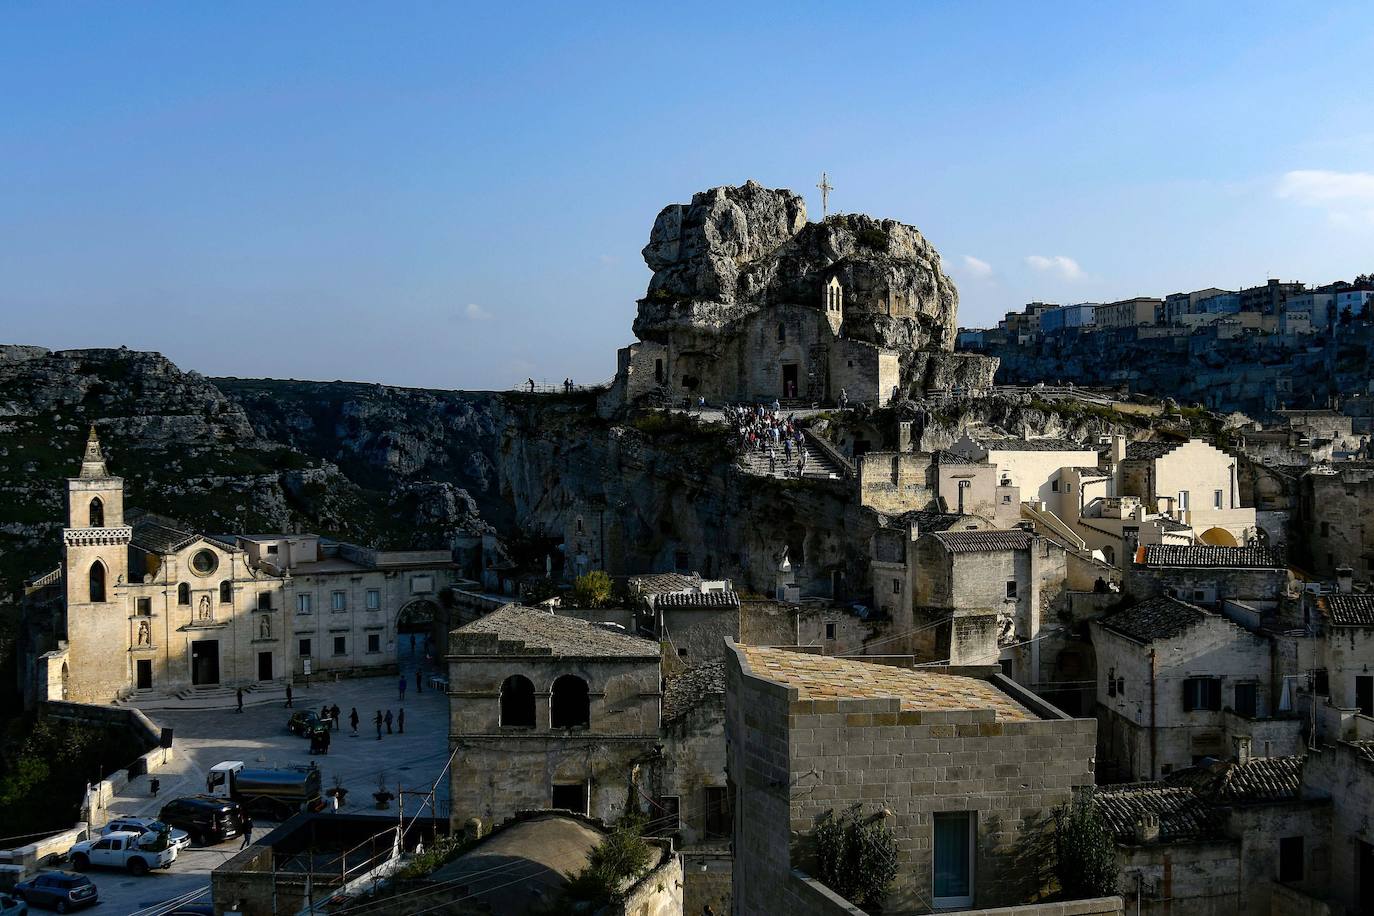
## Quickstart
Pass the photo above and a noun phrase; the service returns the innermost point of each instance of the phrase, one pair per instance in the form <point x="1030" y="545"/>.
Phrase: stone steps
<point x="819" y="466"/>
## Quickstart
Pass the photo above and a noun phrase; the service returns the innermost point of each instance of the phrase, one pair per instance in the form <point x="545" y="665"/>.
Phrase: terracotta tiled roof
<point x="1258" y="779"/>
<point x="715" y="599"/>
<point x="1160" y="617"/>
<point x="1034" y="445"/>
<point x="540" y="633"/>
<point x="692" y="689"/>
<point x="821" y="677"/>
<point x="988" y="541"/>
<point x="1182" y="815"/>
<point x="661" y="583"/>
<point x="945" y="456"/>
<point x="1349" y="610"/>
<point x="1207" y="556"/>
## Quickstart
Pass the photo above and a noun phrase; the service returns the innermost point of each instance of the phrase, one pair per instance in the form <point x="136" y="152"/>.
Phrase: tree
<point x="1085" y="853"/>
<point x="1347" y="316"/>
<point x="857" y="856"/>
<point x="592" y="589"/>
<point x="620" y="859"/>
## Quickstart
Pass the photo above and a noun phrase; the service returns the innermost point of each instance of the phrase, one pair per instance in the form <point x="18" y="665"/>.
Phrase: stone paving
<point x="258" y="736"/>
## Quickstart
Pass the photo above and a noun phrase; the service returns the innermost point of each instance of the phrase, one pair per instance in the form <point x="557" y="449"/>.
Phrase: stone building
<point x="1249" y="836"/>
<point x="965" y="765"/>
<point x="549" y="712"/>
<point x="140" y="604"/>
<point x="1344" y="770"/>
<point x="1193" y="482"/>
<point x="1332" y="527"/>
<point x="1176" y="684"/>
<point x="1209" y="576"/>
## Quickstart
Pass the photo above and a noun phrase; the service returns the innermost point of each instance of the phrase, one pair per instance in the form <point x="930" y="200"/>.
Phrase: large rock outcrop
<point x="734" y="250"/>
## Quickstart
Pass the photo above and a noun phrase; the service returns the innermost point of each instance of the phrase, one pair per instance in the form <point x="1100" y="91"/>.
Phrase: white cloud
<point x="1060" y="264"/>
<point x="977" y="266"/>
<point x="476" y="313"/>
<point x="1343" y="195"/>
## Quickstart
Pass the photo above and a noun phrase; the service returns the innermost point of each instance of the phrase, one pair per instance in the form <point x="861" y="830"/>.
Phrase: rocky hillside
<point x="188" y="450"/>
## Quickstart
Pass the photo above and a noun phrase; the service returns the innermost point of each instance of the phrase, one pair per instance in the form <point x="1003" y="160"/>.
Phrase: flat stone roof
<point x="823" y="677"/>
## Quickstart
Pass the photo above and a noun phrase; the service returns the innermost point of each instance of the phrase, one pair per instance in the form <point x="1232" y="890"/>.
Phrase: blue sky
<point x="446" y="195"/>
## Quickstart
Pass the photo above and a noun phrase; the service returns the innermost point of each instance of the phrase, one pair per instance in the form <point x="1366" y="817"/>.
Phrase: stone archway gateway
<point x="419" y="630"/>
<point x="1218" y="537"/>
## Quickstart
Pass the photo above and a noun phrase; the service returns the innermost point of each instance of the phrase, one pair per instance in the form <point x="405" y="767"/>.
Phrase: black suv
<point x="58" y="890"/>
<point x="207" y="819"/>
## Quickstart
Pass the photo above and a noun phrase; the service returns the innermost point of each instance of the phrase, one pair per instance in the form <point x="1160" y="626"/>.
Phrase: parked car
<point x="192" y="909"/>
<point x="58" y="890"/>
<point x="207" y="819"/>
<point x="303" y="722"/>
<point x="135" y="851"/>
<point x="12" y="906"/>
<point x="180" y="838"/>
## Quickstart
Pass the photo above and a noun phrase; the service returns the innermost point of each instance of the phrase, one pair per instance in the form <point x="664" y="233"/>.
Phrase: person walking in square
<point x="247" y="830"/>
<point x="378" y="722"/>
<point x="353" y="720"/>
<point x="239" y="696"/>
<point x="288" y="696"/>
<point x="401" y="722"/>
<point x="401" y="686"/>
<point x="334" y="714"/>
<point x="388" y="721"/>
<point x="419" y="682"/>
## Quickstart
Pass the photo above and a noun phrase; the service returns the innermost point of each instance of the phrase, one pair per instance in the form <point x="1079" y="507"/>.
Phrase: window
<point x="682" y="652"/>
<point x="1246" y="700"/>
<point x="374" y="599"/>
<point x="264" y="601"/>
<point x="953" y="847"/>
<point x="204" y="562"/>
<point x="1054" y="486"/>
<point x="571" y="797"/>
<point x="1111" y="683"/>
<point x="667" y="816"/>
<point x="1201" y="693"/>
<point x="658" y="371"/>
<point x="1321" y="683"/>
<point x="1326" y="529"/>
<point x="271" y="550"/>
<point x="305" y="603"/>
<point x="716" y="805"/>
<point x="183" y="594"/>
<point x="374" y="643"/>
<point x="338" y="601"/>
<point x="340" y="645"/>
<point x="143" y="607"/>
<point x="569" y="703"/>
<point x="782" y="333"/>
<point x="97" y="518"/>
<point x="829" y="631"/>
<point x="1183" y="500"/>
<point x="1011" y="588"/>
<point x="303" y="648"/>
<point x="579" y="525"/>
<point x="1364" y="694"/>
<point x="1217" y="499"/>
<point x="226" y="592"/>
<point x="97" y="582"/>
<point x="517" y="702"/>
<point x="896" y="586"/>
<point x="1006" y="497"/>
<point x="1290" y="859"/>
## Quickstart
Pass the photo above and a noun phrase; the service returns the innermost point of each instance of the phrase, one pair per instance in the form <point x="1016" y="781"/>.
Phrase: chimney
<point x="1147" y="828"/>
<point x="1118" y="450"/>
<point x="1240" y="744"/>
<point x="1345" y="579"/>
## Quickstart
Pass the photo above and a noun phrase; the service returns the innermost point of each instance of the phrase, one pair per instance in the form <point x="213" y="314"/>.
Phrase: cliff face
<point x="733" y="250"/>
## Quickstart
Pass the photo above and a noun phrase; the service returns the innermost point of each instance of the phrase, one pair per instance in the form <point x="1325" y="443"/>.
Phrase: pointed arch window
<point x="97" y="516"/>
<point x="97" y="582"/>
<point x="183" y="594"/>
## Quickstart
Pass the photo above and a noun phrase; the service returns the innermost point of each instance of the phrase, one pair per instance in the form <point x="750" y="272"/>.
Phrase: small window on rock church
<point x="97" y="513"/>
<point x="782" y="333"/>
<point x="226" y="592"/>
<point x="183" y="594"/>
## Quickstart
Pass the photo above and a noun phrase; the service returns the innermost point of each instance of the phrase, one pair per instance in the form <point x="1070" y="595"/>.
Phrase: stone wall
<point x="1217" y="584"/>
<point x="1330" y="521"/>
<point x="1342" y="771"/>
<point x="895" y="482"/>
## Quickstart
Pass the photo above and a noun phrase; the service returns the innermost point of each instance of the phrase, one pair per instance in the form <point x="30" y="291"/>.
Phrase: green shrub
<point x="592" y="590"/>
<point x="1085" y="853"/>
<point x="857" y="856"/>
<point x="873" y="238"/>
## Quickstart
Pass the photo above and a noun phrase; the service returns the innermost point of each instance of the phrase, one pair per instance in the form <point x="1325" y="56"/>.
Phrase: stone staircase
<point x="216" y="697"/>
<point x="819" y="466"/>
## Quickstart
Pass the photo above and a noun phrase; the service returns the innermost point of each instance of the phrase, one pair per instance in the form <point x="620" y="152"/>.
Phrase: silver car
<point x="178" y="839"/>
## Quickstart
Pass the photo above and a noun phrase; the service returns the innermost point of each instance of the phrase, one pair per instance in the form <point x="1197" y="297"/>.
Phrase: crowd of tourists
<point x="765" y="429"/>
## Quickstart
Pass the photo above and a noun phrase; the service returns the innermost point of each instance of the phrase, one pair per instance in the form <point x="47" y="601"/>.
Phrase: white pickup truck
<point x="124" y="849"/>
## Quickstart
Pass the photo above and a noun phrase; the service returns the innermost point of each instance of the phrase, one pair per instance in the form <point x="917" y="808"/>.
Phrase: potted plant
<point x="338" y="791"/>
<point x="382" y="796"/>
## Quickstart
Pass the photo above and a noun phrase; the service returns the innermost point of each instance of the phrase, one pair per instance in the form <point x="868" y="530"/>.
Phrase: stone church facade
<point x="150" y="607"/>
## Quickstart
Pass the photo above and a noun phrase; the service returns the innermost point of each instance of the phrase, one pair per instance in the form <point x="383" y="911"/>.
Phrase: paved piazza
<point x="258" y="736"/>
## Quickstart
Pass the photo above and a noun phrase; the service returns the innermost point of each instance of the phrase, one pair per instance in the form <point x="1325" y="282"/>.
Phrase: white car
<point x="180" y="838"/>
<point x="137" y="852"/>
